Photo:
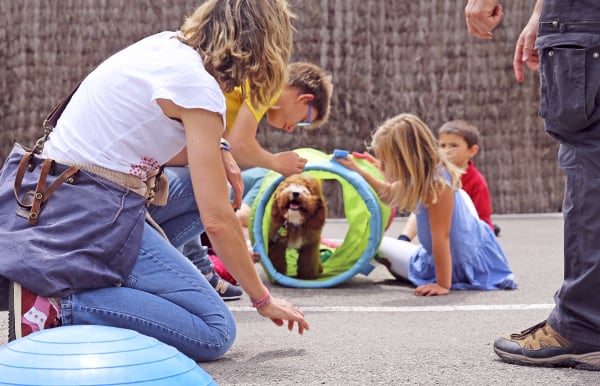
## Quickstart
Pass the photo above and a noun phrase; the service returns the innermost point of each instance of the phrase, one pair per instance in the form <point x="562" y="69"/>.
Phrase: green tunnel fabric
<point x="367" y="219"/>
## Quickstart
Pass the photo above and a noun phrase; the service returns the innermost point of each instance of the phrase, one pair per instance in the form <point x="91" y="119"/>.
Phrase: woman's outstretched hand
<point x="280" y="311"/>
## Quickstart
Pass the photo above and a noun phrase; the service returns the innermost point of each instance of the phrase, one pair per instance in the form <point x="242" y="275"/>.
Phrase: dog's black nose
<point x="295" y="194"/>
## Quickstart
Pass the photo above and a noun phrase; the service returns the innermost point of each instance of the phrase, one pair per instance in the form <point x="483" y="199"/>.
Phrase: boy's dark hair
<point x="311" y="79"/>
<point x="466" y="130"/>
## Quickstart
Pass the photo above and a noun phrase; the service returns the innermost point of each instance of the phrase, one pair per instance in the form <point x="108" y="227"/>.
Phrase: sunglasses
<point x="308" y="121"/>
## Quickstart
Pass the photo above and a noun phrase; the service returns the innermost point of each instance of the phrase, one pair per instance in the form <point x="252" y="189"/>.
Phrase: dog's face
<point x="298" y="198"/>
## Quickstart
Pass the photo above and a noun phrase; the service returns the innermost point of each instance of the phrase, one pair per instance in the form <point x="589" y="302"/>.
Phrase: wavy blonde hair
<point x="241" y="40"/>
<point x="411" y="159"/>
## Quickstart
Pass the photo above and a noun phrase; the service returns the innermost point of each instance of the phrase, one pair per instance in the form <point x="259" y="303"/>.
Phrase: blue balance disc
<point x="96" y="355"/>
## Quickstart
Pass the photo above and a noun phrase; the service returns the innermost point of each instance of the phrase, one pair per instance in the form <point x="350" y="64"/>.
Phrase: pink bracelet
<point x="263" y="301"/>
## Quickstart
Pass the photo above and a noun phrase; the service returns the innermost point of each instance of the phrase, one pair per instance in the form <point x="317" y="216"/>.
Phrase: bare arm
<point x="203" y="132"/>
<point x="524" y="49"/>
<point x="483" y="16"/>
<point x="440" y="217"/>
<point x="381" y="187"/>
<point x="248" y="152"/>
<point x="232" y="170"/>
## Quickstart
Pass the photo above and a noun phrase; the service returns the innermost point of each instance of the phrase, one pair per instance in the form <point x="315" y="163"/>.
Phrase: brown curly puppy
<point x="298" y="215"/>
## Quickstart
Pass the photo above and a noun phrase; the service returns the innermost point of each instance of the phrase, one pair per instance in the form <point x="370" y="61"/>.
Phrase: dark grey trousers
<point x="569" y="48"/>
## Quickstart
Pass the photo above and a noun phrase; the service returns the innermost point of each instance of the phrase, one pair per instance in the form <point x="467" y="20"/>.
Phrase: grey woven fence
<point x="386" y="57"/>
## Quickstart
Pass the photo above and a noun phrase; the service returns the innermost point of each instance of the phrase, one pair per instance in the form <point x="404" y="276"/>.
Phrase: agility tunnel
<point x="366" y="215"/>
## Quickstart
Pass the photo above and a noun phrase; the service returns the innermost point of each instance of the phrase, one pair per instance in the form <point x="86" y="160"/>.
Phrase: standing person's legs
<point x="165" y="297"/>
<point x="570" y="106"/>
<point x="571" y="335"/>
<point x="577" y="315"/>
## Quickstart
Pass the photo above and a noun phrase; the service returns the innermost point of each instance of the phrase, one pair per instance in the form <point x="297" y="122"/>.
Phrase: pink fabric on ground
<point x="221" y="270"/>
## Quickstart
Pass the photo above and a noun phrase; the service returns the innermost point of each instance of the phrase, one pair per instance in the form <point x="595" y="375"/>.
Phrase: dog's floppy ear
<point x="318" y="218"/>
<point x="276" y="215"/>
<point x="321" y="215"/>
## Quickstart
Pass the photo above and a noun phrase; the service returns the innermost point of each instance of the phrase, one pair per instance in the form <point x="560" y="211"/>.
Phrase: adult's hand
<point x="524" y="50"/>
<point x="289" y="162"/>
<point x="280" y="311"/>
<point x="482" y="17"/>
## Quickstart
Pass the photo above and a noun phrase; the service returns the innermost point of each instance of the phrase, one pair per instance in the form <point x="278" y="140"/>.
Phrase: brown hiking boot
<point x="541" y="345"/>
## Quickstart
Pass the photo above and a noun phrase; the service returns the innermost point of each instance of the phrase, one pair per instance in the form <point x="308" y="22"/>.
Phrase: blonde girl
<point x="457" y="250"/>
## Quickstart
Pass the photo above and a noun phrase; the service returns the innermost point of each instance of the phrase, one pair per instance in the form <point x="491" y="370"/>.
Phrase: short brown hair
<point x="466" y="130"/>
<point x="311" y="79"/>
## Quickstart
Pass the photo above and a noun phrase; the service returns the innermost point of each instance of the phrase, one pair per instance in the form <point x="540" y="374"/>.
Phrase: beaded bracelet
<point x="263" y="301"/>
<point x="224" y="142"/>
<point x="225" y="147"/>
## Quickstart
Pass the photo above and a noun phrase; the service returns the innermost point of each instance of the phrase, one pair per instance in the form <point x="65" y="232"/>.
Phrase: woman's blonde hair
<point x="412" y="162"/>
<point x="241" y="40"/>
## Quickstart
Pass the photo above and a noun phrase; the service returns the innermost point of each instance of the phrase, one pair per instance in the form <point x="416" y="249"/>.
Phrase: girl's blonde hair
<point x="241" y="40"/>
<point x="412" y="162"/>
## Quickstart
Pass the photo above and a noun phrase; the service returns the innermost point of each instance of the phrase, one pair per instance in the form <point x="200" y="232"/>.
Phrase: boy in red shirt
<point x="460" y="141"/>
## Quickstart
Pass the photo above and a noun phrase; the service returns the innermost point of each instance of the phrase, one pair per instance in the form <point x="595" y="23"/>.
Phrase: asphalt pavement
<point x="373" y="330"/>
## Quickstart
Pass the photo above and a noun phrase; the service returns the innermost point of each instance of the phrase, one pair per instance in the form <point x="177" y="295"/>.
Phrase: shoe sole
<point x="231" y="298"/>
<point x="590" y="362"/>
<point x="14" y="311"/>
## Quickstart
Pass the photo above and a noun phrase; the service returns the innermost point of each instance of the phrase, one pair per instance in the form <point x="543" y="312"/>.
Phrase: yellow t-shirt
<point x="234" y="101"/>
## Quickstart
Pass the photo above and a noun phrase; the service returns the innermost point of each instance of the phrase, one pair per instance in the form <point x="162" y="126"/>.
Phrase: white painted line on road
<point x="474" y="307"/>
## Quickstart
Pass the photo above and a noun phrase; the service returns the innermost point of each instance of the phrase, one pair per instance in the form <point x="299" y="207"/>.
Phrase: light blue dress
<point x="478" y="262"/>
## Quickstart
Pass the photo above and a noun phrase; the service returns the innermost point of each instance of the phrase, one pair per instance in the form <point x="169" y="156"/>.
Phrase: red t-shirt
<point x="476" y="187"/>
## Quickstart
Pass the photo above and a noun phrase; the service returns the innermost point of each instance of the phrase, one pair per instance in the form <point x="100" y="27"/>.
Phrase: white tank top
<point x="113" y="119"/>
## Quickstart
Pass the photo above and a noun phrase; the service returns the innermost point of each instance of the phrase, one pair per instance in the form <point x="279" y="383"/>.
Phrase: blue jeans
<point x="180" y="219"/>
<point x="165" y="296"/>
<point x="193" y="249"/>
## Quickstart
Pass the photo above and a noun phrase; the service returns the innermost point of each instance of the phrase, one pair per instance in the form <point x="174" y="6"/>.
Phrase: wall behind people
<point x="386" y="57"/>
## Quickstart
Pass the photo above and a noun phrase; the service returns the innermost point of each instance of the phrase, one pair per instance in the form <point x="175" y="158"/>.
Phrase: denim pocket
<point x="570" y="84"/>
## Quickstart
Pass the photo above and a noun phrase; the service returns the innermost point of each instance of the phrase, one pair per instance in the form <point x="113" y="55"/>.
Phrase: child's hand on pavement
<point x="432" y="289"/>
